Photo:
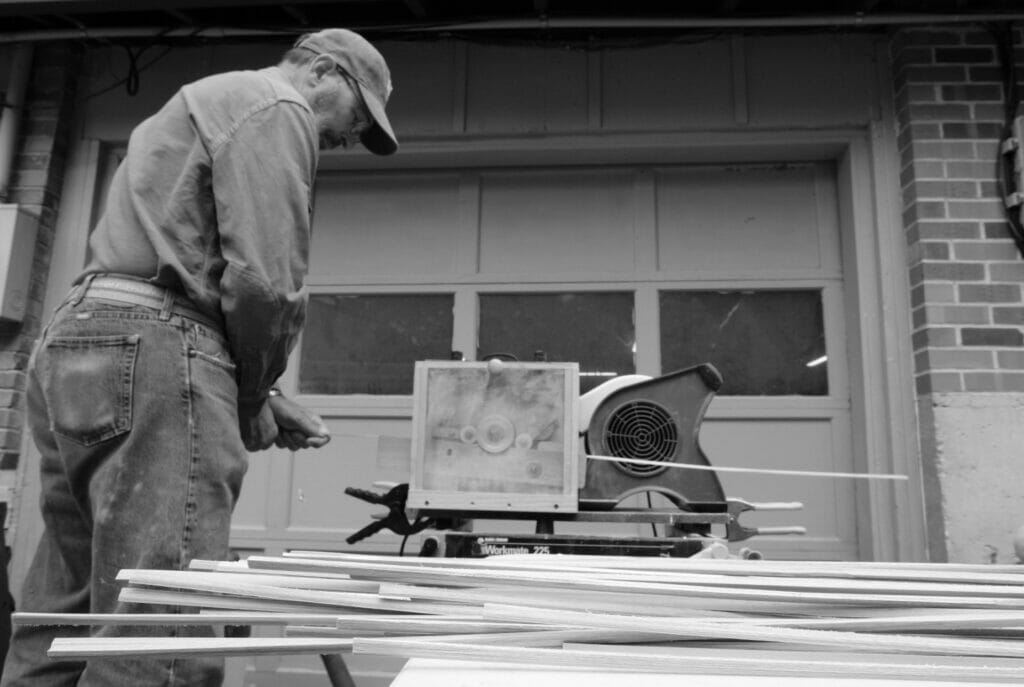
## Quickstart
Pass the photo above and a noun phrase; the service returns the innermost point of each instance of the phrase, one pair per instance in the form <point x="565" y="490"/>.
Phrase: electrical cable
<point x="132" y="80"/>
<point x="417" y="525"/>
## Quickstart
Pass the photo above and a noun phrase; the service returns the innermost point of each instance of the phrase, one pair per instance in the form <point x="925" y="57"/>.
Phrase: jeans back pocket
<point x="87" y="382"/>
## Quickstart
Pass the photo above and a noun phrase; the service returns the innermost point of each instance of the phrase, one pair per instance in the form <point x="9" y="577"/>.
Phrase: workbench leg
<point x="337" y="671"/>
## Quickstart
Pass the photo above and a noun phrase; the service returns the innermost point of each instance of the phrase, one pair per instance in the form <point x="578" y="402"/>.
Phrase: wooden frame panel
<point x="517" y="419"/>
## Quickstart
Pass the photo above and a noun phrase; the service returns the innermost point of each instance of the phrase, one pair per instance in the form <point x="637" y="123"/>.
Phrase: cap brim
<point x="379" y="138"/>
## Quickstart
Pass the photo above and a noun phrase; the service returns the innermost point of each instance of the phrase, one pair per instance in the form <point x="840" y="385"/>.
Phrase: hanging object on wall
<point x="1012" y="164"/>
<point x="1011" y="157"/>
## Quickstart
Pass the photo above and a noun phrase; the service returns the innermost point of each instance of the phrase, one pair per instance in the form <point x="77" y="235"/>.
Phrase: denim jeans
<point x="134" y="412"/>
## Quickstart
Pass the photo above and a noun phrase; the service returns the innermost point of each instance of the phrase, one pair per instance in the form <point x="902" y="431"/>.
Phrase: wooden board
<point x="426" y="672"/>
<point x="670" y="618"/>
<point x="697" y="662"/>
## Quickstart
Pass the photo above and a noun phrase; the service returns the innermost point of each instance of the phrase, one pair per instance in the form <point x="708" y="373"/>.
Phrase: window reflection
<point x="594" y="329"/>
<point x="368" y="344"/>
<point x="763" y="342"/>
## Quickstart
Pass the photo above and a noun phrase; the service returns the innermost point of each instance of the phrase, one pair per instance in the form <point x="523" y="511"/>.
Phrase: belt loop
<point x="83" y="288"/>
<point x="168" y="305"/>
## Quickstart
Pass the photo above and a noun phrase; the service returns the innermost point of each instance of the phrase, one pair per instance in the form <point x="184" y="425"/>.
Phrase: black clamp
<point x="395" y="520"/>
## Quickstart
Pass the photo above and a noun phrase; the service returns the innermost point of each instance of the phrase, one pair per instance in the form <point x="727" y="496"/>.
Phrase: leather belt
<point x="137" y="292"/>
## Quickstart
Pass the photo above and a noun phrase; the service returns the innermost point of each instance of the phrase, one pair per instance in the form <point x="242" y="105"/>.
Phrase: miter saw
<point x="507" y="440"/>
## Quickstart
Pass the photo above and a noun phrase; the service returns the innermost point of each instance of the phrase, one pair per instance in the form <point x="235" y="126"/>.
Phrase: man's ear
<point x="321" y="65"/>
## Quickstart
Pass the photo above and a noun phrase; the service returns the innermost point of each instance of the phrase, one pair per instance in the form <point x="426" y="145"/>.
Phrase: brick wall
<point x="966" y="278"/>
<point x="35" y="187"/>
<point x="965" y="270"/>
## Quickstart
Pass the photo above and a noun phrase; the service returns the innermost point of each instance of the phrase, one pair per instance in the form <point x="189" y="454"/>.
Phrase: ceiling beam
<point x="120" y="6"/>
<point x="598" y="23"/>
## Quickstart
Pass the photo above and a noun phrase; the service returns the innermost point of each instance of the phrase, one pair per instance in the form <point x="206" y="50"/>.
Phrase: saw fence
<point x="932" y="623"/>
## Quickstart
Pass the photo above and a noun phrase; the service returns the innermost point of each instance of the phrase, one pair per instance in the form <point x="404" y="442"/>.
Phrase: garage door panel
<point x="525" y="90"/>
<point x="738" y="219"/>
<point x="809" y="444"/>
<point x="668" y="87"/>
<point x="785" y="87"/>
<point x="250" y="513"/>
<point x="319" y="478"/>
<point x="425" y="94"/>
<point x="385" y="225"/>
<point x="557" y="222"/>
<point x="483" y="234"/>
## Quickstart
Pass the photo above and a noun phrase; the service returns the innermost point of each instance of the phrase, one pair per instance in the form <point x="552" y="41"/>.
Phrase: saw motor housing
<point x="656" y="420"/>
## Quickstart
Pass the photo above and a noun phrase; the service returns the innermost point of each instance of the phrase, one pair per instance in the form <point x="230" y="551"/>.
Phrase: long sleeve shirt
<point x="213" y="200"/>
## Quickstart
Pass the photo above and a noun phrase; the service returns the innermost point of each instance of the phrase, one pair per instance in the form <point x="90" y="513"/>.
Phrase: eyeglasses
<point x="363" y="112"/>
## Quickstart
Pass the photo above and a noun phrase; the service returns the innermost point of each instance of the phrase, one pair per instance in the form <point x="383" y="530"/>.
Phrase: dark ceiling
<point x="574" y="20"/>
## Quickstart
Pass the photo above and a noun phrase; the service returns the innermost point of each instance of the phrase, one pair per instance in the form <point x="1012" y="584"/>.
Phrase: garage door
<point x="623" y="269"/>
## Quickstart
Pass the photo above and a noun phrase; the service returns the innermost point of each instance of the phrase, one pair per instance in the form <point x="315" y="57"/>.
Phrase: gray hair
<point x="299" y="56"/>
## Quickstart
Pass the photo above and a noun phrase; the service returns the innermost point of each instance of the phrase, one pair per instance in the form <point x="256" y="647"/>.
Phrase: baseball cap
<point x="367" y="68"/>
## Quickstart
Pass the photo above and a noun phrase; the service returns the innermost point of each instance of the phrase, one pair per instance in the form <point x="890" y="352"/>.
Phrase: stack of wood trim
<point x="929" y="622"/>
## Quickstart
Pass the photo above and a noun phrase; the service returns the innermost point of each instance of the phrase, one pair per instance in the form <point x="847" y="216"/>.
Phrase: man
<point x="157" y="374"/>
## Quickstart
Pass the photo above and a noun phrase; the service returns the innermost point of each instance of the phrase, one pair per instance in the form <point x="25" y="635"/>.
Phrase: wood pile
<point x="915" y="621"/>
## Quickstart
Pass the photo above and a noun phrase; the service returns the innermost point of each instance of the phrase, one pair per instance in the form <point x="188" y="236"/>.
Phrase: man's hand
<point x="259" y="430"/>
<point x="297" y="427"/>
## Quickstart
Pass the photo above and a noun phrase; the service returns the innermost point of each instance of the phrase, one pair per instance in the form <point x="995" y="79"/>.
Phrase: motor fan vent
<point x="644" y="430"/>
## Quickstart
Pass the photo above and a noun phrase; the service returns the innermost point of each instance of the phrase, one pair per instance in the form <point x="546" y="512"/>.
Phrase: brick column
<point x="35" y="186"/>
<point x="966" y="276"/>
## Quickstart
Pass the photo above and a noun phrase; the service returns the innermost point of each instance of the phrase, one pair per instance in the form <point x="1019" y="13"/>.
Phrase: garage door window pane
<point x="368" y="344"/>
<point x="763" y="342"/>
<point x="593" y="329"/>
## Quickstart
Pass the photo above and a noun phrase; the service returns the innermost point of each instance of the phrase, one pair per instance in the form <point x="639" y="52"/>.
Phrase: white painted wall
<point x="979" y="443"/>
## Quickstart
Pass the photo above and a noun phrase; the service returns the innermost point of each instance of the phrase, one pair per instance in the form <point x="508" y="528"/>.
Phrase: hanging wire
<point x="132" y="81"/>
